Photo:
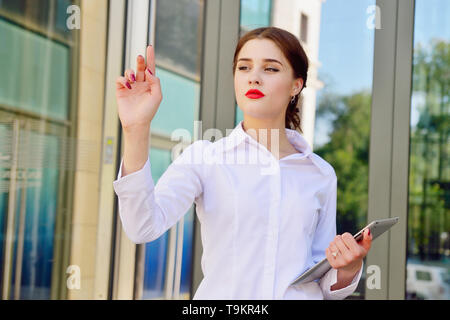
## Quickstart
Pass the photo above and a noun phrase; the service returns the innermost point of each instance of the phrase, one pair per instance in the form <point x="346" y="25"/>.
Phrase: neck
<point x="271" y="133"/>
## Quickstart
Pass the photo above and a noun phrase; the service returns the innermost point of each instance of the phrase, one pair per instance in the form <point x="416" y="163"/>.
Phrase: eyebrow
<point x="265" y="60"/>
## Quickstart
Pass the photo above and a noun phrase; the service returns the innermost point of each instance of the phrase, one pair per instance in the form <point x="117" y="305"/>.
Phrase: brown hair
<point x="294" y="53"/>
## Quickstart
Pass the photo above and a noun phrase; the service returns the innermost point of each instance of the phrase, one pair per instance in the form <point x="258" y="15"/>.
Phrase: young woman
<point x="263" y="222"/>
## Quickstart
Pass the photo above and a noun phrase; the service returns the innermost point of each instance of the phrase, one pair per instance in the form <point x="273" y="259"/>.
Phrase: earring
<point x="293" y="100"/>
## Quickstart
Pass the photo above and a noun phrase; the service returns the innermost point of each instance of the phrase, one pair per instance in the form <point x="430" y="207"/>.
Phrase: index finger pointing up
<point x="151" y="58"/>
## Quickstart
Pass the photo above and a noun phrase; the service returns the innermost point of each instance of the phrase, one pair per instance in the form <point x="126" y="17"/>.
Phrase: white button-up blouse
<point x="263" y="221"/>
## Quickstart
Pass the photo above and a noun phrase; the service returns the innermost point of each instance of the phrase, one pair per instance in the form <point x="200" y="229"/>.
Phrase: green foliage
<point x="348" y="152"/>
<point x="429" y="180"/>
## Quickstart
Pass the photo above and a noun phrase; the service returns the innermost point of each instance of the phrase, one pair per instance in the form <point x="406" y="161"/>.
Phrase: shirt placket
<point x="272" y="237"/>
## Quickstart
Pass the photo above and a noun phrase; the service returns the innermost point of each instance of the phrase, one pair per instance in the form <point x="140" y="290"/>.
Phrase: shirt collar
<point x="238" y="135"/>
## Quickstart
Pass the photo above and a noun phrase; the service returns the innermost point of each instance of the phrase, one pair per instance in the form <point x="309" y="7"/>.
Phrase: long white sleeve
<point x="146" y="210"/>
<point x="330" y="278"/>
<point x="325" y="233"/>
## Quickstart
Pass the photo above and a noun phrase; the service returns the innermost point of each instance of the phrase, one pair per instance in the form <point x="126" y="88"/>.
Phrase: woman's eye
<point x="272" y="69"/>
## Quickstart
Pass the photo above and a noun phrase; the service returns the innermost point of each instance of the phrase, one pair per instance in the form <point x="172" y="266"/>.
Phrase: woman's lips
<point x="254" y="94"/>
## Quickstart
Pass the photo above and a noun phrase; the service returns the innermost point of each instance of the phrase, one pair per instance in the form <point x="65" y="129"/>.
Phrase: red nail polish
<point x="150" y="71"/>
<point x="128" y="86"/>
<point x="133" y="78"/>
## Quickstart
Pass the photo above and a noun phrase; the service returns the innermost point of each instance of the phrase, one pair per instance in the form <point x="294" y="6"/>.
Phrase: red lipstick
<point x="254" y="94"/>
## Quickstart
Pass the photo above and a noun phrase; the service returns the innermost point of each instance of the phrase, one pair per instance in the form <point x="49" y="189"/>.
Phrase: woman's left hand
<point x="349" y="252"/>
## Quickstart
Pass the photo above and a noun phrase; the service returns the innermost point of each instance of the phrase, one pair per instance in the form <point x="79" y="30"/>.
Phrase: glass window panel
<point x="36" y="195"/>
<point x="342" y="124"/>
<point x="155" y="267"/>
<point x="41" y="205"/>
<point x="38" y="72"/>
<point x="188" y="245"/>
<point x="254" y="14"/>
<point x="35" y="53"/>
<point x="423" y="276"/>
<point x="429" y="175"/>
<point x="180" y="104"/>
<point x="5" y="155"/>
<point x="156" y="251"/>
<point x="178" y="34"/>
<point x="40" y="14"/>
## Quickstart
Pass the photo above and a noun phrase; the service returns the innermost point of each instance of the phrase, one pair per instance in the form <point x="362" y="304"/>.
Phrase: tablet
<point x="376" y="227"/>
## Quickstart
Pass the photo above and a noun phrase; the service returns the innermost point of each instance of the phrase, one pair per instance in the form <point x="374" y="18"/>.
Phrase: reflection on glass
<point x="253" y="14"/>
<point x="35" y="53"/>
<point x="44" y="16"/>
<point x="156" y="251"/>
<point x="180" y="104"/>
<point x="428" y="264"/>
<point x="37" y="64"/>
<point x="36" y="213"/>
<point x="342" y="124"/>
<point x="178" y="35"/>
<point x="30" y="199"/>
<point x="178" y="50"/>
<point x="186" y="264"/>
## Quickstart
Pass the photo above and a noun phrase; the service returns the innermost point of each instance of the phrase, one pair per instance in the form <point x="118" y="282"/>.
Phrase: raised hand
<point x="139" y="94"/>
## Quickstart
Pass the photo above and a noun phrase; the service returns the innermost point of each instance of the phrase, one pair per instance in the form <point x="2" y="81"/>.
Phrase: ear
<point x="298" y="85"/>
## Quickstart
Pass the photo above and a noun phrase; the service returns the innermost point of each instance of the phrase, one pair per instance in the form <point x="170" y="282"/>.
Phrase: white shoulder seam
<point x="324" y="167"/>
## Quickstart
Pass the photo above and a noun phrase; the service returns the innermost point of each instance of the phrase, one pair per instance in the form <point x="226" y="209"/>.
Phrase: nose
<point x="254" y="78"/>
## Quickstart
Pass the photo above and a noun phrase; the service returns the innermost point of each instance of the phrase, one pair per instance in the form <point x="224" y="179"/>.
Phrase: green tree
<point x="429" y="166"/>
<point x="348" y="152"/>
<point x="429" y="181"/>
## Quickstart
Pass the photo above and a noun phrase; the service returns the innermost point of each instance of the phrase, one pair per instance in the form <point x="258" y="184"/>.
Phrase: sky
<point x="345" y="53"/>
<point x="347" y="43"/>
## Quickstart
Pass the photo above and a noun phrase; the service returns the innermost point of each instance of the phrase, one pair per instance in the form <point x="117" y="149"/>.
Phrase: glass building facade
<point x="376" y="107"/>
<point x="428" y="275"/>
<point x="36" y="116"/>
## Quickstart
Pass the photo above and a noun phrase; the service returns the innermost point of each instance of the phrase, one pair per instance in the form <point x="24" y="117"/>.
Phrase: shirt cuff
<point x="134" y="182"/>
<point x="330" y="278"/>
